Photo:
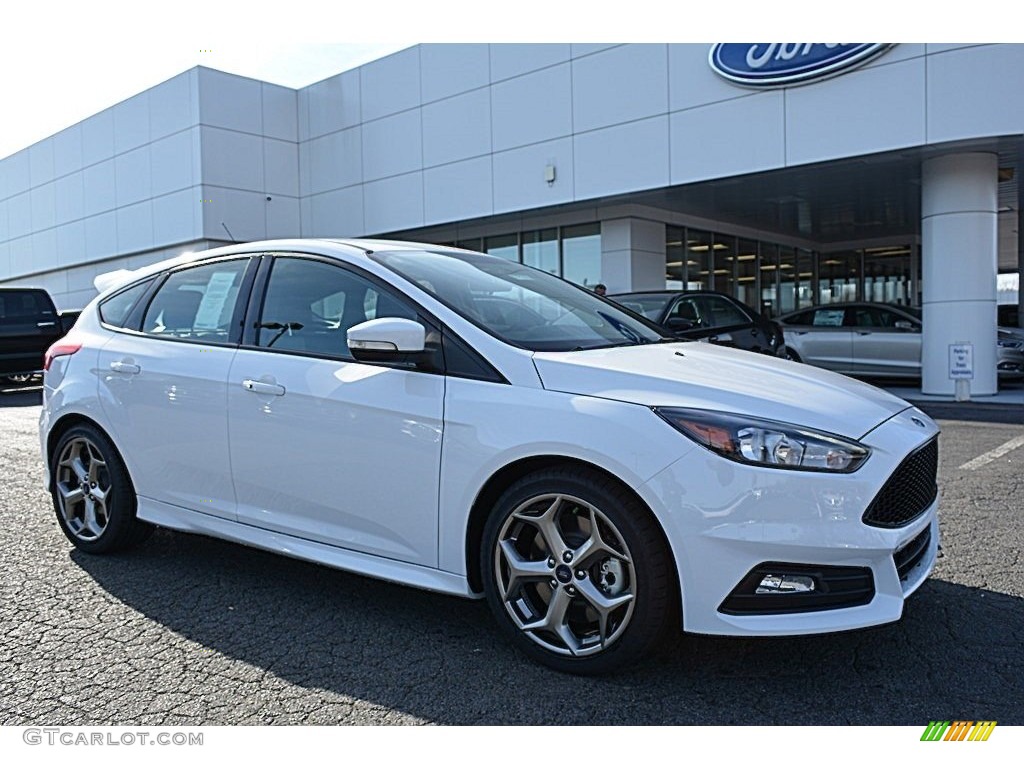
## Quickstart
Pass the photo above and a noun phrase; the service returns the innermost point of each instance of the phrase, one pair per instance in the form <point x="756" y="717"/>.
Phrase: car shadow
<point x="955" y="654"/>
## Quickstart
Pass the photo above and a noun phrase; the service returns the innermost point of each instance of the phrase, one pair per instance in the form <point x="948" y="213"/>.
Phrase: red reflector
<point x="59" y="349"/>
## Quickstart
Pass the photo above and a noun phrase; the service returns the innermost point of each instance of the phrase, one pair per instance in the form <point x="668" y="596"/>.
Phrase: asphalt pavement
<point x="187" y="630"/>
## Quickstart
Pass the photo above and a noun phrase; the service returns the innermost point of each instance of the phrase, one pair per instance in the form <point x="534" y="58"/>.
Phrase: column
<point x="959" y="243"/>
<point x="632" y="255"/>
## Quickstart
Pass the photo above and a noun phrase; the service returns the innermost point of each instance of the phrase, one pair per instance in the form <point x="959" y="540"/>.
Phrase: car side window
<point x="828" y="318"/>
<point x="868" y="317"/>
<point x="686" y="309"/>
<point x="309" y="307"/>
<point x="719" y="312"/>
<point x="196" y="304"/>
<point x="115" y="310"/>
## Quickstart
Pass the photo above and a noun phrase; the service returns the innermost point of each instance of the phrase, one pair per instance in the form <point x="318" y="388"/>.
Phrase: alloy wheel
<point x="565" y="575"/>
<point x="83" y="489"/>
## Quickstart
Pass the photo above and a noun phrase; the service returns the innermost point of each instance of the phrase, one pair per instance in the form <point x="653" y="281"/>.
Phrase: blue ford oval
<point x="775" y="64"/>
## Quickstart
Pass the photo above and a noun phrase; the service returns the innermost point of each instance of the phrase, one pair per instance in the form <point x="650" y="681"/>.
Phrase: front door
<point x="324" y="447"/>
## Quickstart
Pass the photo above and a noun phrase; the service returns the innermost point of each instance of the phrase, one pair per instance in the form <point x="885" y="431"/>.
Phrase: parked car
<point x="877" y="340"/>
<point x="1009" y="325"/>
<point x="29" y="323"/>
<point x="383" y="408"/>
<point x="706" y="316"/>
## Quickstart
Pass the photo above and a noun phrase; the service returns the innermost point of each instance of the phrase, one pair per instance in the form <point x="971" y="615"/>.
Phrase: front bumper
<point x="723" y="519"/>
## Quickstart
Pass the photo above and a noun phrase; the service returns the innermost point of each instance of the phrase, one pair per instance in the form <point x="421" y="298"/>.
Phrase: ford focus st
<point x="461" y="423"/>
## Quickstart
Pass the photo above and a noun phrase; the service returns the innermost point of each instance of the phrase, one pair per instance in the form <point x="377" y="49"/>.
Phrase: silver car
<point x="878" y="340"/>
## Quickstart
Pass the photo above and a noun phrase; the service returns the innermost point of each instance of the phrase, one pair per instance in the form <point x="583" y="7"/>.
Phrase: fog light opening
<point x="785" y="585"/>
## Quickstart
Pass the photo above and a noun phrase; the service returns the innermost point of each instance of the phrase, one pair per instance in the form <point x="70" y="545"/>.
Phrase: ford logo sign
<point x="776" y="64"/>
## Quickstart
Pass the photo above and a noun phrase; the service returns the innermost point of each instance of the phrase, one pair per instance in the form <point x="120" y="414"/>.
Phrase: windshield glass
<point x="518" y="304"/>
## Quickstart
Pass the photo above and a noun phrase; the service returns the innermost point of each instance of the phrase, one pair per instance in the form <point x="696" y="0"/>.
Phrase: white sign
<point x="961" y="361"/>
<point x="214" y="298"/>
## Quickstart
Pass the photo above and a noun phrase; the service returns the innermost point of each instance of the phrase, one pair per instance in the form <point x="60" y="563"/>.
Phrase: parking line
<point x="994" y="454"/>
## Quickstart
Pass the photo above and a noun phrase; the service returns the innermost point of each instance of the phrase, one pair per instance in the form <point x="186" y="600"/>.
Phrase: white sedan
<point x="457" y="422"/>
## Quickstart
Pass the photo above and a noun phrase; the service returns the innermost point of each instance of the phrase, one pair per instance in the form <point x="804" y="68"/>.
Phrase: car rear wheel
<point x="577" y="572"/>
<point x="93" y="494"/>
<point x="789" y="354"/>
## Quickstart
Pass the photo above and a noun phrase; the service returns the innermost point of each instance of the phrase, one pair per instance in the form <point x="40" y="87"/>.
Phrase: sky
<point x="62" y="61"/>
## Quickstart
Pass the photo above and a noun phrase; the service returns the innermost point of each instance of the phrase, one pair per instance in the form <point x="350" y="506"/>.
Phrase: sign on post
<point x="961" y="361"/>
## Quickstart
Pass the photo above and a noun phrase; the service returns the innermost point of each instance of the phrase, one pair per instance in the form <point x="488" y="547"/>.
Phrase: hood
<point x="716" y="378"/>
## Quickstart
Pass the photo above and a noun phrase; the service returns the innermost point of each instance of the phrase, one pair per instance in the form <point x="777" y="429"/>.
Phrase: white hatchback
<point x="466" y="424"/>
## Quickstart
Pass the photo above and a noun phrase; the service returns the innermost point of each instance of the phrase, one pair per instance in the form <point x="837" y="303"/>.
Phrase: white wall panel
<point x="866" y="111"/>
<point x="98" y="137"/>
<point x="334" y="160"/>
<point x="390" y="85"/>
<point x="21" y="260"/>
<point x="333" y="104"/>
<point x="171" y="161"/>
<point x="392" y="146"/>
<point x="229" y="101"/>
<point x="692" y="82"/>
<point x="135" y="227"/>
<point x="243" y="212"/>
<point x="67" y="151"/>
<point x="395" y="203"/>
<point x="176" y="217"/>
<point x="99" y="187"/>
<point x="730" y="137"/>
<point x="585" y="49"/>
<point x="44" y="206"/>
<point x="519" y="176"/>
<point x="619" y="85"/>
<point x="457" y="128"/>
<point x="131" y="123"/>
<point x="280" y="116"/>
<point x="70" y="197"/>
<point x="232" y="159"/>
<point x="336" y="214"/>
<point x="447" y="70"/>
<point x="622" y="159"/>
<point x="71" y="243"/>
<point x="5" y="260"/>
<point x="280" y="167"/>
<point x="15" y="174"/>
<point x="170" y="106"/>
<point x="283" y="217"/>
<point x="511" y="59"/>
<point x="458" y="191"/>
<point x="964" y="99"/>
<point x="101" y="235"/>
<point x="132" y="176"/>
<point x="44" y="250"/>
<point x="40" y="162"/>
<point x="19" y="215"/>
<point x="533" y="108"/>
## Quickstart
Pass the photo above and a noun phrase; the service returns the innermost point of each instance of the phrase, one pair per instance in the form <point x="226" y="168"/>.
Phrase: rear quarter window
<point x="116" y="310"/>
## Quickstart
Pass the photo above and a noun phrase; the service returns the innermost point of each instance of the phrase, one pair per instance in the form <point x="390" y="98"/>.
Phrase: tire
<point x="789" y="354"/>
<point x="92" y="493"/>
<point x="601" y="603"/>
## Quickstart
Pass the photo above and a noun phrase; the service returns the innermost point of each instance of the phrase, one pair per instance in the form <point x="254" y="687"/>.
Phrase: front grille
<point x="909" y="555"/>
<point x="909" y="492"/>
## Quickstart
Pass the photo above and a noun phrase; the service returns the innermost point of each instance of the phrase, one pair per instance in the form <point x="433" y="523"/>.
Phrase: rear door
<point x="163" y="386"/>
<point x="28" y="326"/>
<point x="885" y="343"/>
<point x="823" y="339"/>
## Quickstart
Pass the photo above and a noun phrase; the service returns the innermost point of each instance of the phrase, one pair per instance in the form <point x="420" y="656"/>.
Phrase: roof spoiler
<point x="110" y="279"/>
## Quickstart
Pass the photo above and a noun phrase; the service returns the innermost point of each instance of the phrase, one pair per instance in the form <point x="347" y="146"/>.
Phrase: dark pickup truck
<point x="29" y="324"/>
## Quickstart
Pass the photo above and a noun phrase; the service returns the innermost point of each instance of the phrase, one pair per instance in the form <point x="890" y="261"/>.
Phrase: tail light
<point x="62" y="348"/>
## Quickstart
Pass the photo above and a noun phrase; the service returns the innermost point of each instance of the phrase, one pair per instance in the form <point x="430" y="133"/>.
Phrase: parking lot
<point x="187" y="630"/>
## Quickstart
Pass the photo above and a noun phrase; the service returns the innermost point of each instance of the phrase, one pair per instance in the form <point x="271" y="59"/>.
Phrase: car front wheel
<point x="577" y="572"/>
<point x="93" y="494"/>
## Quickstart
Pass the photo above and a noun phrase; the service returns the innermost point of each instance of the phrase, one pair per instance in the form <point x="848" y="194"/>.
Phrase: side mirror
<point x="387" y="340"/>
<point x="678" y="325"/>
<point x="904" y="325"/>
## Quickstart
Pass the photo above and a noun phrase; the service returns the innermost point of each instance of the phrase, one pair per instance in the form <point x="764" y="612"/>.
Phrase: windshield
<point x="518" y="304"/>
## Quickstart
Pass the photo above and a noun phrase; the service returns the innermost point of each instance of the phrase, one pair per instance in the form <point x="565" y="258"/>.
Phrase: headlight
<point x="766" y="443"/>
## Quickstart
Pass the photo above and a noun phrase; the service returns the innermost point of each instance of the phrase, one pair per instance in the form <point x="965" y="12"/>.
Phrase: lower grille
<point x="909" y="492"/>
<point x="912" y="553"/>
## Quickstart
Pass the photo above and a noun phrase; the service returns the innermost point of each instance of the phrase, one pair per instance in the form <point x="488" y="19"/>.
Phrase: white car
<point x="465" y="424"/>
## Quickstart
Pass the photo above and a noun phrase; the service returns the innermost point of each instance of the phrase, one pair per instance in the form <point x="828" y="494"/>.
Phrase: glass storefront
<point x="776" y="279"/>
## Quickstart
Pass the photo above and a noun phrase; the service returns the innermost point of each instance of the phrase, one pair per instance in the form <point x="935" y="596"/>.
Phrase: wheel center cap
<point x="563" y="573"/>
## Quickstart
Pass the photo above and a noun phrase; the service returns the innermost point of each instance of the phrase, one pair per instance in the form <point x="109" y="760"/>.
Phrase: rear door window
<point x="197" y="304"/>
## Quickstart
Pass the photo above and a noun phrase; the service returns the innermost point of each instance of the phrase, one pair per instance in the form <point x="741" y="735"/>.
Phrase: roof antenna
<point x="229" y="232"/>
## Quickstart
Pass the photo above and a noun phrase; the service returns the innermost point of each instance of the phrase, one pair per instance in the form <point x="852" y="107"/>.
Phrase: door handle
<point x="120" y="366"/>
<point x="48" y="324"/>
<point x="863" y="333"/>
<point x="263" y="388"/>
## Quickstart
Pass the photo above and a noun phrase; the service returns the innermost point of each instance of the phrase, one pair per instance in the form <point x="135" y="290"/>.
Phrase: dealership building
<point x="786" y="174"/>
